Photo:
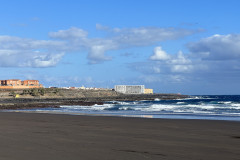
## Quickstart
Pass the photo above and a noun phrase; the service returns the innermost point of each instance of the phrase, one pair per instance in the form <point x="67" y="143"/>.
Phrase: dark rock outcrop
<point x="56" y="98"/>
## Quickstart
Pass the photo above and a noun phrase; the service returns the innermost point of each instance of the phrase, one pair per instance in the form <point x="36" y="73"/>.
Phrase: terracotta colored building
<point x="11" y="82"/>
<point x="18" y="84"/>
<point x="30" y="83"/>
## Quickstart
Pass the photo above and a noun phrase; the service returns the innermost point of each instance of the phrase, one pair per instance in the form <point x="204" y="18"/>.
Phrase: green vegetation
<point x="34" y="92"/>
<point x="12" y="93"/>
<point x="56" y="91"/>
<point x="25" y="92"/>
<point x="41" y="91"/>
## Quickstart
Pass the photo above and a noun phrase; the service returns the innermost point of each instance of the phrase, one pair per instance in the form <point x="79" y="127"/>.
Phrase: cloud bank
<point x="23" y="52"/>
<point x="203" y="55"/>
<point x="210" y="57"/>
<point x="116" y="39"/>
<point x="164" y="63"/>
<point x="217" y="47"/>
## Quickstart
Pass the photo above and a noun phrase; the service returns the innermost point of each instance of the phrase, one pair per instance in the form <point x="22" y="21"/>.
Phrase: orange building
<point x="30" y="82"/>
<point x="11" y="82"/>
<point x="18" y="84"/>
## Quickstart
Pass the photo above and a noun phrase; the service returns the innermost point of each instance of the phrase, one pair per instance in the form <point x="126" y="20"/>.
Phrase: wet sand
<point x="35" y="136"/>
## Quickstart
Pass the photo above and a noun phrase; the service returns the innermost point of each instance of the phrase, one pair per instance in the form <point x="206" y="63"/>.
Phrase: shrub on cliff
<point x="12" y="93"/>
<point x="34" y="92"/>
<point x="41" y="91"/>
<point x="25" y="92"/>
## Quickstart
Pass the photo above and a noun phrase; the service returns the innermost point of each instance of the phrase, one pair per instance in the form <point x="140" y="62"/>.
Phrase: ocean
<point x="210" y="107"/>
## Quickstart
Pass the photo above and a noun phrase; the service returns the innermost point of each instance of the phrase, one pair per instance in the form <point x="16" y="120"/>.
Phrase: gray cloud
<point x="48" y="60"/>
<point x="217" y="47"/>
<point x="147" y="35"/>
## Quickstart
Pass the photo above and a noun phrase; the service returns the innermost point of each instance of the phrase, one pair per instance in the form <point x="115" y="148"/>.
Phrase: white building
<point x="130" y="89"/>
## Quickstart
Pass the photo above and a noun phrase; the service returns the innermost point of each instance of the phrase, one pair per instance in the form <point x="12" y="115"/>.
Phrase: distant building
<point x="18" y="84"/>
<point x="11" y="82"/>
<point x="148" y="91"/>
<point x="82" y="87"/>
<point x="130" y="89"/>
<point x="30" y="83"/>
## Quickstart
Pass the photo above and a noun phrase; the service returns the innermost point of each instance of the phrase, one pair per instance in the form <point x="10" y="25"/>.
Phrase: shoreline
<point x="149" y="116"/>
<point x="53" y="136"/>
<point x="144" y="116"/>
<point x="43" y="102"/>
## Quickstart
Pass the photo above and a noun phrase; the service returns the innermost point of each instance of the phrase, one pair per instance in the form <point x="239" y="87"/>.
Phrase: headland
<point x="55" y="97"/>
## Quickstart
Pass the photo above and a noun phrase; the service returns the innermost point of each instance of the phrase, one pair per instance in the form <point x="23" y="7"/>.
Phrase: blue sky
<point x="188" y="47"/>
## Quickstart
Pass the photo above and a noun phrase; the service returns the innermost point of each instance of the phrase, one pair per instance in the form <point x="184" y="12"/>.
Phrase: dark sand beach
<point x="35" y="136"/>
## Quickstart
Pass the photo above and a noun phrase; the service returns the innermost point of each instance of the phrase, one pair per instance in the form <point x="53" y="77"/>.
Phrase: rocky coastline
<point x="72" y="97"/>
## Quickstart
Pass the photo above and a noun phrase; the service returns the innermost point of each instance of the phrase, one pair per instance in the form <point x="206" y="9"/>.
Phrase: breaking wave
<point x="203" y="106"/>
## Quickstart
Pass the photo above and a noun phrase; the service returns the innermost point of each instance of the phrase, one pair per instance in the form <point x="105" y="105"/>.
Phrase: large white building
<point x="130" y="89"/>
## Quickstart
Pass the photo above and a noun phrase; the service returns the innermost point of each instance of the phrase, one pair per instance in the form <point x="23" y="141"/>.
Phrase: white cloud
<point x="144" y="36"/>
<point x="181" y="68"/>
<point x="97" y="48"/>
<point x="44" y="60"/>
<point x="212" y="59"/>
<point x="156" y="69"/>
<point x="47" y="53"/>
<point x="96" y="54"/>
<point x="159" y="54"/>
<point x="117" y="39"/>
<point x="71" y="33"/>
<point x="177" y="78"/>
<point x="11" y="43"/>
<point x="180" y="59"/>
<point x="181" y="63"/>
<point x="22" y="52"/>
<point x="178" y="63"/>
<point x="101" y="27"/>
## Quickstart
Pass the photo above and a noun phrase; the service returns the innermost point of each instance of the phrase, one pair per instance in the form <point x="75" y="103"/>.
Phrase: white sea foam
<point x="158" y="107"/>
<point x="202" y="106"/>
<point x="236" y="104"/>
<point x="196" y="97"/>
<point x="225" y="102"/>
<point x="124" y="108"/>
<point x="179" y="107"/>
<point x="176" y="108"/>
<point x="94" y="107"/>
<point x="147" y="107"/>
<point x="228" y="102"/>
<point x="218" y="107"/>
<point x="124" y="103"/>
<point x="202" y="112"/>
<point x="230" y="114"/>
<point x="180" y="102"/>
